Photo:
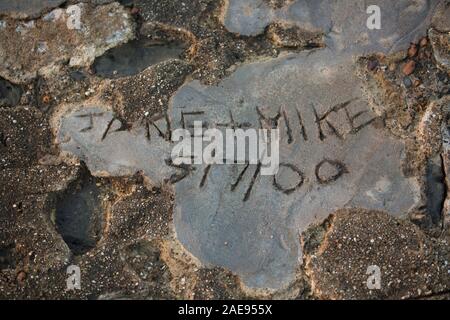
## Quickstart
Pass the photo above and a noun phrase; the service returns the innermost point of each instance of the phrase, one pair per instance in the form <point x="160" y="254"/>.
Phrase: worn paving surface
<point x="86" y="116"/>
<point x="343" y="23"/>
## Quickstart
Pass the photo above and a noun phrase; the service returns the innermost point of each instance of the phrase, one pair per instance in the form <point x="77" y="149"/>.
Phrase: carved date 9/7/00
<point x="325" y="172"/>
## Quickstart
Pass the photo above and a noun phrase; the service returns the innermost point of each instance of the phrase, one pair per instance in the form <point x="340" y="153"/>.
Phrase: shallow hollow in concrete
<point x="7" y="260"/>
<point x="135" y="56"/>
<point x="10" y="93"/>
<point x="80" y="216"/>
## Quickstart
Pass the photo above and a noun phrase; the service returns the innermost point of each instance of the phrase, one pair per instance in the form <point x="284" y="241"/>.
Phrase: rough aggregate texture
<point x="151" y="227"/>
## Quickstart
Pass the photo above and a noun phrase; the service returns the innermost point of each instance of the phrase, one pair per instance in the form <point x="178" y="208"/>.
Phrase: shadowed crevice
<point x="80" y="215"/>
<point x="135" y="56"/>
<point x="10" y="93"/>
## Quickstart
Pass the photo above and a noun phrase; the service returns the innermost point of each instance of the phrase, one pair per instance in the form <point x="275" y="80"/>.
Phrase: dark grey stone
<point x="133" y="57"/>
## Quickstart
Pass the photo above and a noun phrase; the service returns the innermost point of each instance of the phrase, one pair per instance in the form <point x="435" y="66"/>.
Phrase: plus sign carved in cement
<point x="334" y="153"/>
<point x="344" y="23"/>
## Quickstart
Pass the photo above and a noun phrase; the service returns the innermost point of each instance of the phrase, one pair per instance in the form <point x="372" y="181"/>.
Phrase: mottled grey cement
<point x="96" y="137"/>
<point x="342" y="21"/>
<point x="258" y="238"/>
<point x="253" y="229"/>
<point x="441" y="47"/>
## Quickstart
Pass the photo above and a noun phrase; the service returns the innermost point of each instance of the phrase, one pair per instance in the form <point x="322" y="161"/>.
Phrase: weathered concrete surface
<point x="29" y="48"/>
<point x="34" y="257"/>
<point x="138" y="255"/>
<point x="22" y="9"/>
<point x="148" y="93"/>
<point x="353" y="165"/>
<point x="342" y="22"/>
<point x="445" y="131"/>
<point x="135" y="56"/>
<point x="339" y="253"/>
<point x="342" y="158"/>
<point x="441" y="20"/>
<point x="22" y="147"/>
<point x="9" y="93"/>
<point x="441" y="47"/>
<point x="25" y="220"/>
